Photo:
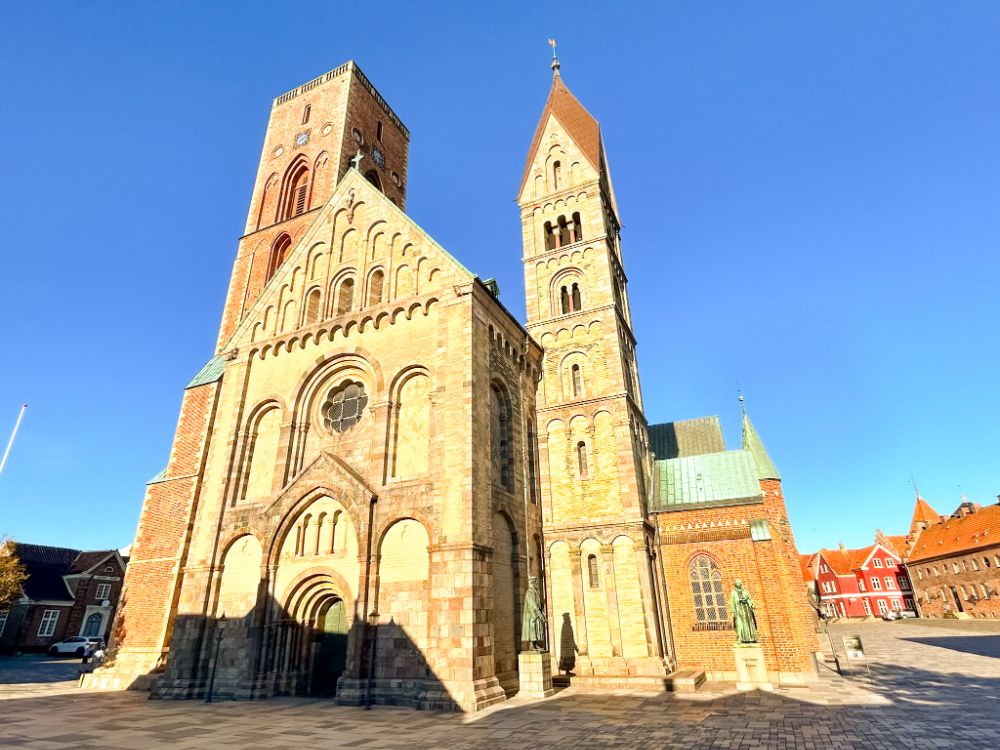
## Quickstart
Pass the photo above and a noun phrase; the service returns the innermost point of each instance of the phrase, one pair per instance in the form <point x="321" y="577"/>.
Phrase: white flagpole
<point x="10" y="443"/>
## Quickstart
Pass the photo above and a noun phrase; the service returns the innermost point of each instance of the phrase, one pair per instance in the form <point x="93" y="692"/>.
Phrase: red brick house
<point x="955" y="562"/>
<point x="67" y="593"/>
<point x="864" y="582"/>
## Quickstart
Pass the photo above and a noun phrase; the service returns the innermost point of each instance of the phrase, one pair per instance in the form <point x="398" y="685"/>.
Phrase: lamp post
<point x="373" y="640"/>
<point x="817" y="602"/>
<point x="215" y="662"/>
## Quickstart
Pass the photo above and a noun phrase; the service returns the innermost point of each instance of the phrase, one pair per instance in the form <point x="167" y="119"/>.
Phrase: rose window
<point x="344" y="406"/>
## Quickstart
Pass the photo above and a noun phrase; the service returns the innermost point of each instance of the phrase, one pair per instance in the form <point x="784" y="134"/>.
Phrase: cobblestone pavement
<point x="933" y="685"/>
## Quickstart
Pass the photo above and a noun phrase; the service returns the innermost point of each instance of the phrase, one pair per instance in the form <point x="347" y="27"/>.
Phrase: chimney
<point x="843" y="547"/>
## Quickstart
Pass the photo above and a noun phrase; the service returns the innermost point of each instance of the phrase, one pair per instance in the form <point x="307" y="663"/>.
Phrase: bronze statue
<point x="533" y="621"/>
<point x="744" y="616"/>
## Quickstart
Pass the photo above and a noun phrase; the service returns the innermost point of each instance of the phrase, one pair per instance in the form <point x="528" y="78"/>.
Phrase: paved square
<point x="934" y="684"/>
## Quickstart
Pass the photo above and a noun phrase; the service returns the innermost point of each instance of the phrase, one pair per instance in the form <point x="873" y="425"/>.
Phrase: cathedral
<point x="379" y="457"/>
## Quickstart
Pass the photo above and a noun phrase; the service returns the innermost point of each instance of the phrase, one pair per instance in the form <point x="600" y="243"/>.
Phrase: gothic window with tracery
<point x="344" y="406"/>
<point x="706" y="585"/>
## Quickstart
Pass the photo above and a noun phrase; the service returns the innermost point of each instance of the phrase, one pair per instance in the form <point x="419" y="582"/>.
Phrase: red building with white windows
<point x="864" y="582"/>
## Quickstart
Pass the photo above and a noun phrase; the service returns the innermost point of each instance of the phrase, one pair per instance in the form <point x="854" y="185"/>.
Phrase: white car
<point x="74" y="645"/>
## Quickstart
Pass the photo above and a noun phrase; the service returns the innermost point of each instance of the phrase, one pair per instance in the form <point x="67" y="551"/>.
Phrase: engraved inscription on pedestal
<point x="751" y="669"/>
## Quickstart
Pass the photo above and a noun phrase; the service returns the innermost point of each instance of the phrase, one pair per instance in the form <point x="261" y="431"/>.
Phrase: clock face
<point x="302" y="139"/>
<point x="378" y="157"/>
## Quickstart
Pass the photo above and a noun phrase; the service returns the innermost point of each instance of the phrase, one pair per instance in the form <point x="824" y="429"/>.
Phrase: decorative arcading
<point x="324" y="331"/>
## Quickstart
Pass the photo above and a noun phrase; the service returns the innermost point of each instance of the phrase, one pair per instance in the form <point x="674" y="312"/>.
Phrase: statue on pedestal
<point x="533" y="625"/>
<point x="744" y="616"/>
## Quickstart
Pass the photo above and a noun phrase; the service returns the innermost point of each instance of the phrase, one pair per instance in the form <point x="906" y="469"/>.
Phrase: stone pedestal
<point x="751" y="669"/>
<point x="534" y="674"/>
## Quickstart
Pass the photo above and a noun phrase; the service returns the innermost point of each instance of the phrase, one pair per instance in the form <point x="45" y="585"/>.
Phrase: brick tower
<point x="605" y="623"/>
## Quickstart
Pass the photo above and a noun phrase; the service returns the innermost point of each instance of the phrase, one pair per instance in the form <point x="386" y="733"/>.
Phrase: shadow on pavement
<point x="983" y="645"/>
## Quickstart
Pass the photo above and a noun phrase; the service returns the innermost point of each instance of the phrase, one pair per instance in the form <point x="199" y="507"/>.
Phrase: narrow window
<point x="564" y="300"/>
<point x="279" y="250"/>
<point x="296" y="199"/>
<point x="501" y="439"/>
<point x="556" y="174"/>
<point x="305" y="113"/>
<point x="345" y="300"/>
<point x="706" y="586"/>
<point x="581" y="458"/>
<point x="375" y="288"/>
<point x="563" y="231"/>
<point x="550" y="236"/>
<point x="577" y="381"/>
<point x="532" y="472"/>
<point x="592" y="572"/>
<point x="577" y="228"/>
<point x="312" y="307"/>
<point x="576" y="304"/>
<point x="378" y="131"/>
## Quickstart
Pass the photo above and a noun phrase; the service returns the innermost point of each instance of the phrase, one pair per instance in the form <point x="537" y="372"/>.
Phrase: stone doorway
<point x="330" y="647"/>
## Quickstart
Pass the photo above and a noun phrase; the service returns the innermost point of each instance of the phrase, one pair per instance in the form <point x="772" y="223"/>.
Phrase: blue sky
<point x="809" y="193"/>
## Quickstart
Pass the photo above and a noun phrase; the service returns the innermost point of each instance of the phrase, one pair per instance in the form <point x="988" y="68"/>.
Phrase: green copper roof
<point x="687" y="437"/>
<point x="723" y="478"/>
<point x="752" y="442"/>
<point x="210" y="373"/>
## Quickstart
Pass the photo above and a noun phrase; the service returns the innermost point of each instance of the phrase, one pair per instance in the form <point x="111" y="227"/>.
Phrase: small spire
<point x="555" y="58"/>
<point x="752" y="442"/>
<point x="743" y="406"/>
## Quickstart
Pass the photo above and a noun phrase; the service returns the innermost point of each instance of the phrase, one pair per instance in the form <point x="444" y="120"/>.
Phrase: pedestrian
<point x="88" y="651"/>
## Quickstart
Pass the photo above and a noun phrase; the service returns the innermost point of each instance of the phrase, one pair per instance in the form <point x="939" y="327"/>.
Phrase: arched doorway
<point x="312" y="639"/>
<point x="330" y="645"/>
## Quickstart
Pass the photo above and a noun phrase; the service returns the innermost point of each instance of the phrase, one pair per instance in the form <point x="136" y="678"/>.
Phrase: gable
<point x="554" y="143"/>
<point x="359" y="241"/>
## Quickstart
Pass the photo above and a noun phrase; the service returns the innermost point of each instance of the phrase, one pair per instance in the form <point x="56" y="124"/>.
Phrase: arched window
<point x="372" y="176"/>
<point x="564" y="300"/>
<point x="305" y="113"/>
<point x="577" y="379"/>
<point x="378" y="131"/>
<point x="706" y="586"/>
<point x="581" y="459"/>
<point x="556" y="174"/>
<point x="279" y="251"/>
<point x="592" y="571"/>
<point x="575" y="298"/>
<point x="375" y="284"/>
<point x="345" y="298"/>
<point x="532" y="471"/>
<point x="550" y="236"/>
<point x="501" y="440"/>
<point x="92" y="626"/>
<point x="577" y="228"/>
<point x="297" y="193"/>
<point x="563" y="231"/>
<point x="312" y="307"/>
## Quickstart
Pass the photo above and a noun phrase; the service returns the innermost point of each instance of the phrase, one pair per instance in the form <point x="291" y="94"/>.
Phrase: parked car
<point x="899" y="614"/>
<point x="74" y="645"/>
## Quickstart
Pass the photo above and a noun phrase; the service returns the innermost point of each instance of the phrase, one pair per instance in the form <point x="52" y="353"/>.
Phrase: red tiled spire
<point x="923" y="513"/>
<point x="573" y="116"/>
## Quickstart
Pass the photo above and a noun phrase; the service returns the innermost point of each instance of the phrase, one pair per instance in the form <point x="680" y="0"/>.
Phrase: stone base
<point x="751" y="669"/>
<point x="616" y="673"/>
<point x="685" y="680"/>
<point x="132" y="669"/>
<point x="535" y="674"/>
<point x="422" y="694"/>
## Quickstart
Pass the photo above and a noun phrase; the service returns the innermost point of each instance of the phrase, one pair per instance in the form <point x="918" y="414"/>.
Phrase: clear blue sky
<point x="810" y="194"/>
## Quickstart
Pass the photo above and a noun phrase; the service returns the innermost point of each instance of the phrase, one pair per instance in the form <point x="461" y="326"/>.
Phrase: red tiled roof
<point x="898" y="544"/>
<point x="959" y="535"/>
<point x="923" y="511"/>
<point x="845" y="561"/>
<point x="806" y="563"/>
<point x="579" y="123"/>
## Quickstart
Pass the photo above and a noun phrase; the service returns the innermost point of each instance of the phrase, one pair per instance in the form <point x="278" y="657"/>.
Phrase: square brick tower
<point x="605" y="624"/>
